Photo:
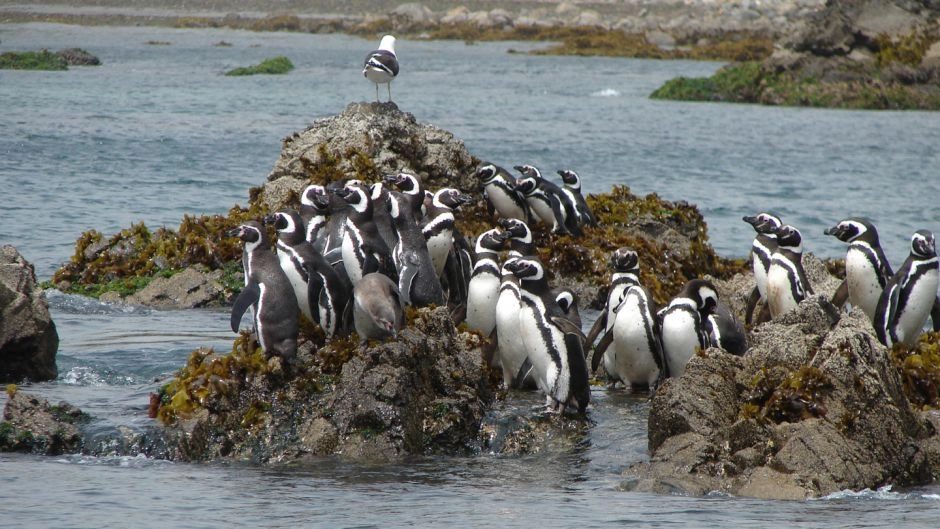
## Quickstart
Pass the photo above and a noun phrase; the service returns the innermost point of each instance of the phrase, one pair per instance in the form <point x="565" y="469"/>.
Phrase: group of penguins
<point x="353" y="255"/>
<point x="897" y="303"/>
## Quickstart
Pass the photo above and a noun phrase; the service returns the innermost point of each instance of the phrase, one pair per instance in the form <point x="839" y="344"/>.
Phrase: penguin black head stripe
<point x="922" y="244"/>
<point x="625" y="260"/>
<point x="789" y="237"/>
<point x="767" y="223"/>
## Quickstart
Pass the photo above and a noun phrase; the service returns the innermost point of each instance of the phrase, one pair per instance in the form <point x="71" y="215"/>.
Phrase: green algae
<point x="273" y="66"/>
<point x="32" y="60"/>
<point x="919" y="368"/>
<point x="775" y="396"/>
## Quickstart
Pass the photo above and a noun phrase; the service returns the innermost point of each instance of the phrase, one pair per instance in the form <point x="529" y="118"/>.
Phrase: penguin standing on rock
<point x="363" y="249"/>
<point x="787" y="284"/>
<point x="499" y="190"/>
<point x="413" y="190"/>
<point x="417" y="280"/>
<point x="268" y="290"/>
<point x="511" y="350"/>
<point x="553" y="344"/>
<point x="867" y="270"/>
<point x="377" y="308"/>
<point x="910" y="294"/>
<point x="762" y="250"/>
<point x="682" y="327"/>
<point x="545" y="199"/>
<point x="381" y="65"/>
<point x="626" y="265"/>
<point x="576" y="203"/>
<point x="483" y="290"/>
<point x="315" y="212"/>
<point x="296" y="257"/>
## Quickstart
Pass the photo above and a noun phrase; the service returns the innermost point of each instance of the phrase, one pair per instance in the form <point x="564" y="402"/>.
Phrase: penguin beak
<point x="503" y="236"/>
<point x="835" y="231"/>
<point x="269" y="219"/>
<point x="391" y="179"/>
<point x="463" y="198"/>
<point x="234" y="232"/>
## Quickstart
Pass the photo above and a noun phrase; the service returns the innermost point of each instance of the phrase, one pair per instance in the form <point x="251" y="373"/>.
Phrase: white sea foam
<point x="607" y="92"/>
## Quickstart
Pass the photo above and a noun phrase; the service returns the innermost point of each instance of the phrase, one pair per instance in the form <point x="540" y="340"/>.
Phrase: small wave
<point x="89" y="376"/>
<point x="135" y="461"/>
<point x="75" y="304"/>
<point x="883" y="493"/>
<point x="607" y="92"/>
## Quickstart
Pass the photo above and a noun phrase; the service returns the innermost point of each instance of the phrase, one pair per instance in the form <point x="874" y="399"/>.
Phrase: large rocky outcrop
<point x="28" y="337"/>
<point x="814" y="407"/>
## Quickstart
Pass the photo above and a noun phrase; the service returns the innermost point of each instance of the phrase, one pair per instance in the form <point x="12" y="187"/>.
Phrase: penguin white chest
<point x="439" y="245"/>
<point x="503" y="202"/>
<point x="353" y="258"/>
<point x="680" y="339"/>
<point x="780" y="295"/>
<point x="633" y="360"/>
<point x="862" y="280"/>
<point x="923" y="293"/>
<point x="512" y="352"/>
<point x="539" y="346"/>
<point x="289" y="265"/>
<point x="542" y="208"/>
<point x="482" y="296"/>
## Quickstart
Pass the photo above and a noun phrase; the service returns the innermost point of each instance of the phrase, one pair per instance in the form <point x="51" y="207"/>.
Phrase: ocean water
<point x="157" y="132"/>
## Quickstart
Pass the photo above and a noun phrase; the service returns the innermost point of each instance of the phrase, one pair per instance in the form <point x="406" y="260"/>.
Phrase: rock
<point x="31" y="424"/>
<point x="78" y="57"/>
<point x="814" y="407"/>
<point x="194" y="287"/>
<point x="423" y="392"/>
<point x="28" y="337"/>
<point x="369" y="140"/>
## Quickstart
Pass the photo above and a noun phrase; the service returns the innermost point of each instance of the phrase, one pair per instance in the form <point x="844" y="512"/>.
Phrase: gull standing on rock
<point x="381" y="65"/>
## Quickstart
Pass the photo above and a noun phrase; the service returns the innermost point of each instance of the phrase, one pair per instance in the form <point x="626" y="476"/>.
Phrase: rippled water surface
<point x="157" y="132"/>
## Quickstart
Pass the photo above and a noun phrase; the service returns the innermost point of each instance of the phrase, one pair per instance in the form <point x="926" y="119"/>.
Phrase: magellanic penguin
<point x="439" y="225"/>
<point x="499" y="190"/>
<point x="787" y="284"/>
<point x="380" y="215"/>
<point x="762" y="250"/>
<point x="381" y="65"/>
<point x="511" y="350"/>
<point x="867" y="270"/>
<point x="377" y="308"/>
<point x="483" y="291"/>
<point x="626" y="265"/>
<point x="553" y="344"/>
<point x="417" y="280"/>
<point x="567" y="301"/>
<point x="682" y="327"/>
<point x="268" y="290"/>
<point x="572" y="192"/>
<point x="315" y="212"/>
<point x="544" y="199"/>
<point x="724" y="330"/>
<point x="521" y="242"/>
<point x="411" y="187"/>
<point x="909" y="295"/>
<point x="297" y="259"/>
<point x="363" y="249"/>
<point x="635" y="357"/>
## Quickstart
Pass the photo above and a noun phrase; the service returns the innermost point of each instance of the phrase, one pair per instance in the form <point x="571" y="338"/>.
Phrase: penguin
<point x="335" y="229"/>
<point x="553" y="345"/>
<point x="909" y="296"/>
<point x="635" y="356"/>
<point x="682" y="327"/>
<point x="762" y="249"/>
<point x="413" y="190"/>
<point x="483" y="290"/>
<point x="268" y="290"/>
<point x="499" y="190"/>
<point x="438" y="228"/>
<point x="381" y="65"/>
<point x="544" y="199"/>
<point x="511" y="350"/>
<point x="725" y="331"/>
<point x="521" y="242"/>
<point x="296" y="257"/>
<point x="315" y="213"/>
<point x="418" y="283"/>
<point x="377" y="308"/>
<point x="363" y="250"/>
<point x="787" y="284"/>
<point x="567" y="301"/>
<point x="867" y="270"/>
<point x="380" y="215"/>
<point x="626" y="265"/>
<point x="571" y="190"/>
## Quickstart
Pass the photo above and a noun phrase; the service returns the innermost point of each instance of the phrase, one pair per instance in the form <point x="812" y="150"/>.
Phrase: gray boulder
<point x="31" y="424"/>
<point x="369" y="140"/>
<point x="194" y="287"/>
<point x="28" y="337"/>
<point x="814" y="407"/>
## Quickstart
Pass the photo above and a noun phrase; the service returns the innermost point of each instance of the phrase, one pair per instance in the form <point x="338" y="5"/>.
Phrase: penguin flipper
<point x="841" y="295"/>
<point x="248" y="297"/>
<point x="405" y="280"/>
<point x="524" y="371"/>
<point x="568" y="327"/>
<point x="601" y="348"/>
<point x="599" y="324"/>
<point x="935" y="314"/>
<point x="752" y="299"/>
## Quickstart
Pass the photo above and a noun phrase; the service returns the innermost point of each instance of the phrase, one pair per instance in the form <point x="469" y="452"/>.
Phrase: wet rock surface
<point x="30" y="424"/>
<point x="28" y="337"/>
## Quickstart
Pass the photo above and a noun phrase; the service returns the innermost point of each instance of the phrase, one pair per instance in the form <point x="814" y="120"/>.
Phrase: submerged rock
<point x="28" y="337"/>
<point x="31" y="424"/>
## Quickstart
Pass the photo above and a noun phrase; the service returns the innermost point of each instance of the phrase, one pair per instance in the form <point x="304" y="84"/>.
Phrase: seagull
<point x="381" y="65"/>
